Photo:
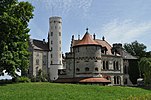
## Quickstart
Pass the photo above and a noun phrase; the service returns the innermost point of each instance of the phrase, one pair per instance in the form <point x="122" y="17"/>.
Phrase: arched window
<point x="86" y="69"/>
<point x="117" y="66"/>
<point x="114" y="79"/>
<point x="96" y="69"/>
<point x="114" y="65"/>
<point x="125" y="81"/>
<point x="107" y="65"/>
<point x="103" y="64"/>
<point x="117" y="79"/>
<point x="125" y="70"/>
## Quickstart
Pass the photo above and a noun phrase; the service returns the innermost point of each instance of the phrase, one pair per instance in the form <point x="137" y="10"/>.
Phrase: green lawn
<point x="53" y="91"/>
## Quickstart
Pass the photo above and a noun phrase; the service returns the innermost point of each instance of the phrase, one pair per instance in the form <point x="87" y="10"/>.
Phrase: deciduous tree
<point x="14" y="37"/>
<point x="136" y="49"/>
<point x="145" y="68"/>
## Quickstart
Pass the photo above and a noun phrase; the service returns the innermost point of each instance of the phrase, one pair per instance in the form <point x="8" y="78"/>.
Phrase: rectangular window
<point x="51" y="56"/>
<point x="59" y="33"/>
<point x="44" y="59"/>
<point x="51" y="42"/>
<point x="51" y="33"/>
<point x="44" y="62"/>
<point x="51" y="62"/>
<point x="37" y="61"/>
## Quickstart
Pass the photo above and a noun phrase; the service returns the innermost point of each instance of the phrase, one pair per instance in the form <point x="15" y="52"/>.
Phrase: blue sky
<point x="120" y="21"/>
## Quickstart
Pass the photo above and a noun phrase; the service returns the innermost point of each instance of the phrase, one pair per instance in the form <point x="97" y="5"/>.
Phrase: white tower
<point x="55" y="45"/>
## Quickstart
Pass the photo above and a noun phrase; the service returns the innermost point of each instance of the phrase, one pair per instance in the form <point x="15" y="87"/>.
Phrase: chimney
<point x="94" y="36"/>
<point x="72" y="37"/>
<point x="43" y="41"/>
<point x="103" y="38"/>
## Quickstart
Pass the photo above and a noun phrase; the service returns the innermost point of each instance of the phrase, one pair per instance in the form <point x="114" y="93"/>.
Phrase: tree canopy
<point x="136" y="49"/>
<point x="145" y="68"/>
<point x="14" y="37"/>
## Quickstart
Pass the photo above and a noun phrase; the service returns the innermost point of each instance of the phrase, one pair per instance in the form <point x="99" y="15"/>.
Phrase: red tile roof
<point x="94" y="80"/>
<point x="104" y="43"/>
<point x="83" y="80"/>
<point x="86" y="40"/>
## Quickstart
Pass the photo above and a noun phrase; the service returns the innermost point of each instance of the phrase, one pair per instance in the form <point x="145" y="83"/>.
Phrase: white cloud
<point x="63" y="7"/>
<point x="125" y="31"/>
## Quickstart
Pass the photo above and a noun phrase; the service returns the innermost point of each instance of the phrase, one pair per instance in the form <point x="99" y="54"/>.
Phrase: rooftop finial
<point x="78" y="37"/>
<point x="103" y="38"/>
<point x="94" y="36"/>
<point x="87" y="30"/>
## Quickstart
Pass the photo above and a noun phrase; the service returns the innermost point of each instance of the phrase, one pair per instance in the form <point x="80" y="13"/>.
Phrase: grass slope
<point x="53" y="91"/>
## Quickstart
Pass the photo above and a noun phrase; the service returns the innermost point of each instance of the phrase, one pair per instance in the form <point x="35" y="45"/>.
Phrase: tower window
<point x="59" y="33"/>
<point x="51" y="56"/>
<point x="51" y="33"/>
<point x="96" y="69"/>
<point x="51" y="42"/>
<point x="77" y="69"/>
<point x="86" y="69"/>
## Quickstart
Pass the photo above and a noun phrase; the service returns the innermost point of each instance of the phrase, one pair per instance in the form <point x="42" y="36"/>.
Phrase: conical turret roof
<point x="87" y="40"/>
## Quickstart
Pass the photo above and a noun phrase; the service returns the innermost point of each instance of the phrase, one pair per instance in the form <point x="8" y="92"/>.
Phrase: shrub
<point x="23" y="79"/>
<point x="33" y="79"/>
<point x="41" y="77"/>
<point x="5" y="81"/>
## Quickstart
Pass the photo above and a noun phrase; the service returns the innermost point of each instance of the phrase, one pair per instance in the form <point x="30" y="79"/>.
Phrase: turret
<point x="55" y="46"/>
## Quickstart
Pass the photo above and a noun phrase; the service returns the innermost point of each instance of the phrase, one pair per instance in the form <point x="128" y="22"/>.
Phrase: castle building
<point x="90" y="60"/>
